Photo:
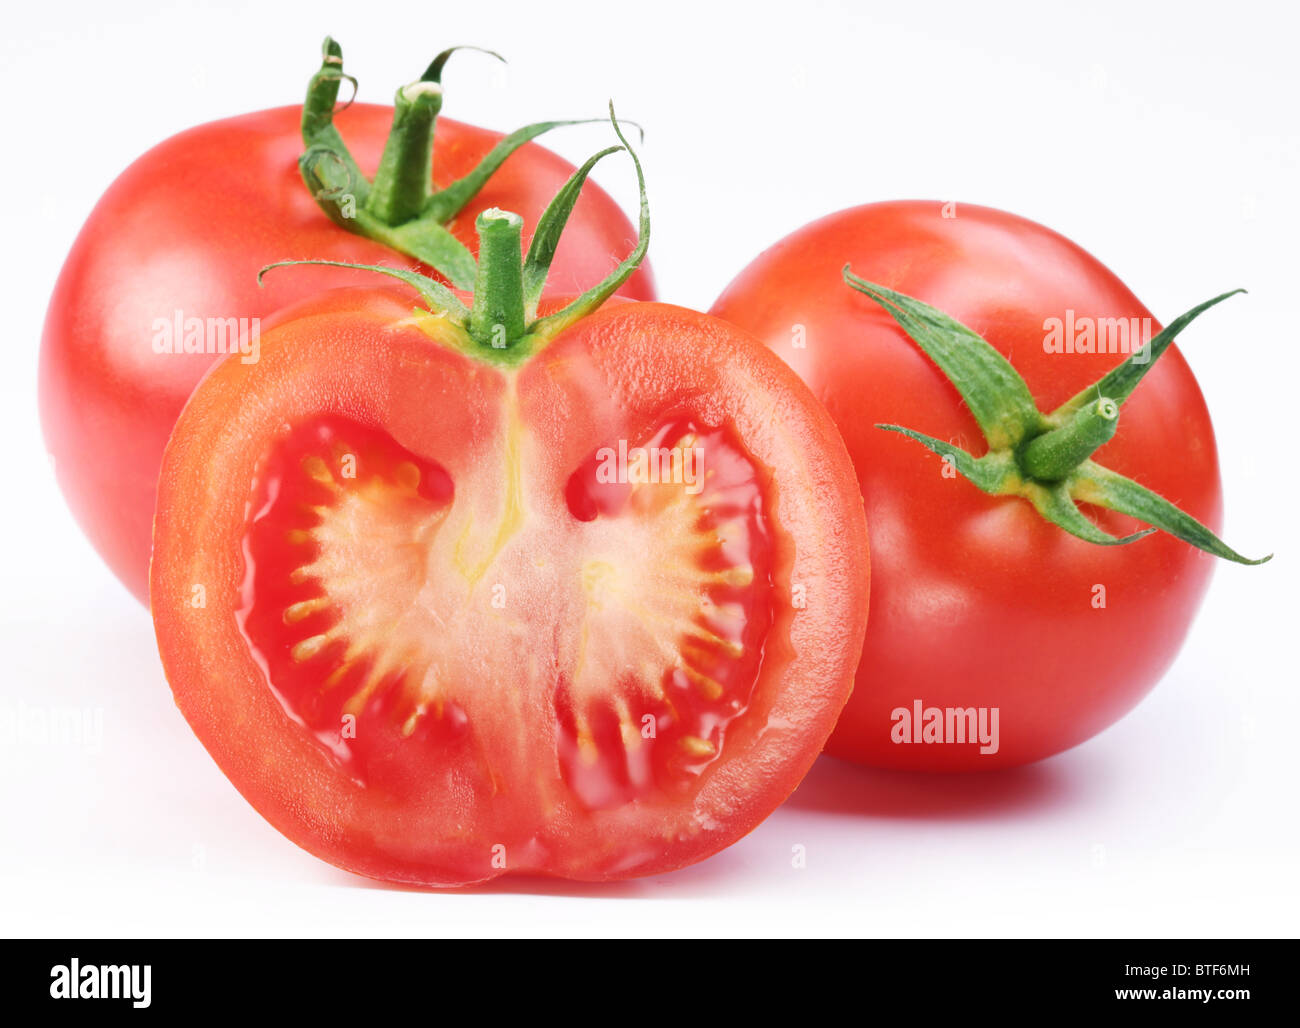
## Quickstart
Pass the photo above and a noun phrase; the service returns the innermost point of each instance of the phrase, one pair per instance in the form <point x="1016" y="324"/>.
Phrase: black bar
<point x="868" y="979"/>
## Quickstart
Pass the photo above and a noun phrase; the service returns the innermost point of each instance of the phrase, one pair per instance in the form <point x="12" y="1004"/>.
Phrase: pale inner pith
<point x="502" y="604"/>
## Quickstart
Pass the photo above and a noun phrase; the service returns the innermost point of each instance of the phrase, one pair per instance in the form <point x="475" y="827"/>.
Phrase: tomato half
<point x="181" y="235"/>
<point x="440" y="619"/>
<point x="978" y="603"/>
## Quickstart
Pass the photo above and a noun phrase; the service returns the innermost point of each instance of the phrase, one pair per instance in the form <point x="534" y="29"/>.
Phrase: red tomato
<point x="978" y="602"/>
<point x="408" y="607"/>
<point x="185" y="229"/>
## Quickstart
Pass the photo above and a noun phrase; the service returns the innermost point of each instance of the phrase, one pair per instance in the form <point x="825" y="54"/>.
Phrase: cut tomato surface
<point x="441" y="619"/>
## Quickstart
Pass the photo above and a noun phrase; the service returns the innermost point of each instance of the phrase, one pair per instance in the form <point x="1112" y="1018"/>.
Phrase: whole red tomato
<point x="988" y="619"/>
<point x="580" y="599"/>
<point x="181" y="234"/>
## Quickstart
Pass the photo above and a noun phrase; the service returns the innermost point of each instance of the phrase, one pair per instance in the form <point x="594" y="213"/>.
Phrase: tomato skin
<point x="187" y="227"/>
<point x="358" y="353"/>
<point x="976" y="600"/>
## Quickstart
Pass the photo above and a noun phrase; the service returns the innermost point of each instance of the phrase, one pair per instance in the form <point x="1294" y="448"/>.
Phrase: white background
<point x="1164" y="139"/>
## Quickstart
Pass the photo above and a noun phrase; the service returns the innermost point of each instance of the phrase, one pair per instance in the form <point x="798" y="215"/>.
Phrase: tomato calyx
<point x="400" y="208"/>
<point x="502" y="326"/>
<point x="1045" y="458"/>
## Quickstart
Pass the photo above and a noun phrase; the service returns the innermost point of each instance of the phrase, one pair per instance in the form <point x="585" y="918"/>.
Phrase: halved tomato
<point x="440" y="618"/>
<point x="505" y="586"/>
<point x="495" y="587"/>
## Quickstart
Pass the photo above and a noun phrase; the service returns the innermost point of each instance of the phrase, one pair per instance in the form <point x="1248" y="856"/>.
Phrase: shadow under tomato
<point x="840" y="787"/>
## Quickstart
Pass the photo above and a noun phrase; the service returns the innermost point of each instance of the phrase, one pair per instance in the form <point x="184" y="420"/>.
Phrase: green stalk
<point x="400" y="209"/>
<point x="323" y="94"/>
<point x="403" y="184"/>
<point x="496" y="319"/>
<point x="502" y="324"/>
<point x="1051" y="457"/>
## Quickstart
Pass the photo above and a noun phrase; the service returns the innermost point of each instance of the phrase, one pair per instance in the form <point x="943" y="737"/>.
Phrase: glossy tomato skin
<point x="976" y="600"/>
<point x="186" y="228"/>
<point x="507" y="441"/>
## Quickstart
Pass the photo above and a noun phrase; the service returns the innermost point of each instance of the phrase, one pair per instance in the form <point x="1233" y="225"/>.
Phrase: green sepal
<point x="1045" y="458"/>
<point x="546" y="236"/>
<point x="1055" y="503"/>
<point x="438" y="297"/>
<point x="1092" y="483"/>
<point x="433" y="73"/>
<point x="547" y="328"/>
<point x="995" y="472"/>
<point x="993" y="390"/>
<point x="1119" y="383"/>
<point x="446" y="203"/>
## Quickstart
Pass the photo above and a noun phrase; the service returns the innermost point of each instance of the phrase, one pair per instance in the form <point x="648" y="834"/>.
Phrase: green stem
<point x="327" y="167"/>
<point x="323" y="92"/>
<point x="497" y="318"/>
<point x="400" y="209"/>
<point x="502" y="326"/>
<point x="402" y="184"/>
<point x="1050" y="457"/>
